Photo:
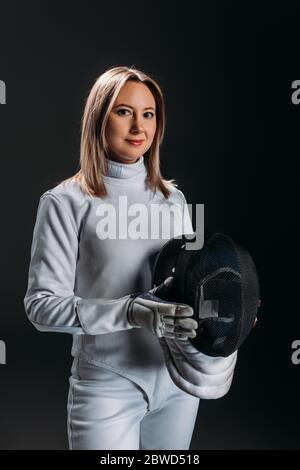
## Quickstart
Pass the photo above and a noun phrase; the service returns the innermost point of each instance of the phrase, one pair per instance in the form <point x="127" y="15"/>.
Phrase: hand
<point x="162" y="318"/>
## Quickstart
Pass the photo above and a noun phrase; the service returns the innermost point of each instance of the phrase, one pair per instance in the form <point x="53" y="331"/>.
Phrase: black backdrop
<point x="231" y="143"/>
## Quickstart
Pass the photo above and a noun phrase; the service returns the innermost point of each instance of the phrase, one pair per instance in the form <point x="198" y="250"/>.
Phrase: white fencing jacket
<point x="80" y="282"/>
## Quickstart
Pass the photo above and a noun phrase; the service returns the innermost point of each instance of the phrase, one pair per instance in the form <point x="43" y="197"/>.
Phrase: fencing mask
<point x="220" y="282"/>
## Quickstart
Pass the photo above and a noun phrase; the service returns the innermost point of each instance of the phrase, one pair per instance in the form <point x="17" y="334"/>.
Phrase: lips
<point x="135" y="142"/>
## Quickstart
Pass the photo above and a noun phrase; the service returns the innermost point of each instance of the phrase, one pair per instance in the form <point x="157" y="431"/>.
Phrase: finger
<point x="175" y="336"/>
<point x="187" y="323"/>
<point x="168" y="320"/>
<point x="166" y="285"/>
<point x="179" y="334"/>
<point x="169" y="281"/>
<point x="175" y="310"/>
<point x="164" y="288"/>
<point x="169" y="329"/>
<point x="184" y="310"/>
<point x="189" y="334"/>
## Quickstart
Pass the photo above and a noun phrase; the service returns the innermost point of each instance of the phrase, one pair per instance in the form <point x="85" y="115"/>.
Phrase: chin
<point x="127" y="158"/>
<point x="132" y="157"/>
<point x="126" y="155"/>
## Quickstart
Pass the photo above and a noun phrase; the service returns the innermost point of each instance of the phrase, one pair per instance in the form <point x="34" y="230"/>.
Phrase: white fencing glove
<point x="162" y="318"/>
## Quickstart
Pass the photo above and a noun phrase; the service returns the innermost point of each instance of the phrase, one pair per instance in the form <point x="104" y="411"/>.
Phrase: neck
<point x="126" y="171"/>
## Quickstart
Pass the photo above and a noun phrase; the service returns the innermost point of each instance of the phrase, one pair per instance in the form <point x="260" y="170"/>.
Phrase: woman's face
<point x="133" y="117"/>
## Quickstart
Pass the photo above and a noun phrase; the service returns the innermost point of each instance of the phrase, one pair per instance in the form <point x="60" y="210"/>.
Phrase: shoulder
<point x="66" y="192"/>
<point x="176" y="197"/>
<point x="68" y="198"/>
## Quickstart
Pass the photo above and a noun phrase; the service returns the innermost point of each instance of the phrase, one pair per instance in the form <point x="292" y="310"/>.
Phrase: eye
<point x="122" y="112"/>
<point x="151" y="114"/>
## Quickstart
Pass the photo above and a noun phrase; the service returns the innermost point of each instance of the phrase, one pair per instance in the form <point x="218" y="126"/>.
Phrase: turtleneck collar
<point x="126" y="170"/>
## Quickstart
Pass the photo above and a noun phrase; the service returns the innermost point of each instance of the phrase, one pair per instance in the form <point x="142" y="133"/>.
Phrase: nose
<point x="137" y="125"/>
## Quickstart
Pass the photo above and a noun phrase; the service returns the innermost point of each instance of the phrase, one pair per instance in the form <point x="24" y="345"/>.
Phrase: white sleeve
<point x="50" y="302"/>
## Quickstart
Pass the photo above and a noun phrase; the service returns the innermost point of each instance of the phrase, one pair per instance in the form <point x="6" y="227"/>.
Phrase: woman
<point x="95" y="239"/>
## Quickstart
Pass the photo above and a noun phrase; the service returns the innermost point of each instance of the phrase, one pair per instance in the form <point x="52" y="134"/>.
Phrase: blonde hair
<point x="93" y="146"/>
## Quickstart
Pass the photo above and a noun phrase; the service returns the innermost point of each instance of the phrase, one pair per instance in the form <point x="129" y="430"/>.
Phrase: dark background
<point x="232" y="143"/>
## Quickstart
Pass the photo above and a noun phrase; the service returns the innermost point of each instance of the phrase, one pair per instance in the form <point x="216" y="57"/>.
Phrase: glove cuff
<point x="130" y="313"/>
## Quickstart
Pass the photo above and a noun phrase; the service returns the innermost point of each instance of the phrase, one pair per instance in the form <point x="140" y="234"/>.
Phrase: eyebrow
<point x="128" y="106"/>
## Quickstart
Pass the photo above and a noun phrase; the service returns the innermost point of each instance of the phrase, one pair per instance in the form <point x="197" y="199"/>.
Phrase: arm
<point x="50" y="302"/>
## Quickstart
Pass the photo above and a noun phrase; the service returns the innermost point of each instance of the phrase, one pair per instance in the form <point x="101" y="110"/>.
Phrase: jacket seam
<point x="65" y="209"/>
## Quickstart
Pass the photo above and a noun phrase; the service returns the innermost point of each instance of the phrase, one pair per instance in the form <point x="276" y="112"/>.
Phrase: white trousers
<point x="109" y="411"/>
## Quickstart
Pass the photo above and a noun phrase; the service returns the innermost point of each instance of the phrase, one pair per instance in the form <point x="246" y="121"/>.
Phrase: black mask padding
<point x="220" y="282"/>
